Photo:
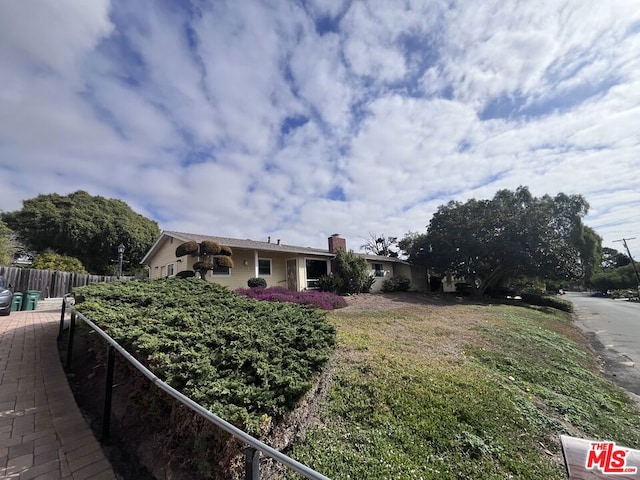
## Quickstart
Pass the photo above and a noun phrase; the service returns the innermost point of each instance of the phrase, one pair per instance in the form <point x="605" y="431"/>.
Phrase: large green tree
<point x="514" y="235"/>
<point x="615" y="278"/>
<point x="83" y="226"/>
<point x="7" y="245"/>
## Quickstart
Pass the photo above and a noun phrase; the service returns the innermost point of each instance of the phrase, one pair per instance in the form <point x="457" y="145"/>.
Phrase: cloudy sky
<point x="299" y="119"/>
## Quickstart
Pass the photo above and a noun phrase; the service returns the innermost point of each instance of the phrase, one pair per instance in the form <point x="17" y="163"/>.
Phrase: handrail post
<point x="108" y="390"/>
<point x="72" y="329"/>
<point x="64" y="309"/>
<point x="251" y="464"/>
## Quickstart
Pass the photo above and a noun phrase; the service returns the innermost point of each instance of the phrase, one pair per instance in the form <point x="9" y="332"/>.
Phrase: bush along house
<point x="232" y="262"/>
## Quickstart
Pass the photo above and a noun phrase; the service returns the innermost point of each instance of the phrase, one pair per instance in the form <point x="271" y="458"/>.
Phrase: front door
<point x="292" y="274"/>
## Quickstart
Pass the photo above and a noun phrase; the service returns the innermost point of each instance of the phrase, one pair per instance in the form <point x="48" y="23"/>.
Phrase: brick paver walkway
<point x="42" y="433"/>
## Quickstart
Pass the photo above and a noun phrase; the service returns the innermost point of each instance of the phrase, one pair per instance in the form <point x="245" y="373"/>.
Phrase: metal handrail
<point x="252" y="469"/>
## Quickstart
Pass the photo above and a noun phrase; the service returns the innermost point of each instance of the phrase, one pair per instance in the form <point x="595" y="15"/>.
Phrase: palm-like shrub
<point x="187" y="248"/>
<point x="225" y="262"/>
<point x="210" y="253"/>
<point x="209" y="247"/>
<point x="202" y="265"/>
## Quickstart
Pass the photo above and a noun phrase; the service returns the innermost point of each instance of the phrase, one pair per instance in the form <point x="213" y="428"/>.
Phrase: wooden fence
<point x="50" y="283"/>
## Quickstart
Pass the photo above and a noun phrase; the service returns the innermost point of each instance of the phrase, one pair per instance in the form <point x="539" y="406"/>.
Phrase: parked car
<point x="6" y="297"/>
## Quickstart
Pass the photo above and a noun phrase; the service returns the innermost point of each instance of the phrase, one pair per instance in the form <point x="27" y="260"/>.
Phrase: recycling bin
<point x="30" y="301"/>
<point x="16" y="304"/>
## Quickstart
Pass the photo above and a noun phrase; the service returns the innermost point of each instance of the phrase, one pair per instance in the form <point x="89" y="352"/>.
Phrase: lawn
<point x="461" y="391"/>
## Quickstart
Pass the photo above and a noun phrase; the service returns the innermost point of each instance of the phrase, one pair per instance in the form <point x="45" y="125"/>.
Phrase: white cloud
<point x="42" y="35"/>
<point x="302" y="120"/>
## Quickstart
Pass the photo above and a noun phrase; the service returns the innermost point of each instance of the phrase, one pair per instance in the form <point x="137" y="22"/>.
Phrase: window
<point x="315" y="269"/>
<point x="170" y="272"/>
<point x="378" y="270"/>
<point x="264" y="267"/>
<point x="218" y="270"/>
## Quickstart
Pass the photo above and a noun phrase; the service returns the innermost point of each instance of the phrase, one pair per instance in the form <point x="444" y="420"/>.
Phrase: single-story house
<point x="294" y="267"/>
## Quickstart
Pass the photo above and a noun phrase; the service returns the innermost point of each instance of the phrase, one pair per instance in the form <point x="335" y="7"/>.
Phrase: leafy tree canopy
<point x="7" y="248"/>
<point x="513" y="235"/>
<point x="86" y="227"/>
<point x="615" y="278"/>
<point x="55" y="261"/>
<point x="612" y="258"/>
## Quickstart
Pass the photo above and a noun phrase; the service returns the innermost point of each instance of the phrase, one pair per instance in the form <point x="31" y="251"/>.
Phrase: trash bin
<point x="16" y="305"/>
<point x="30" y="301"/>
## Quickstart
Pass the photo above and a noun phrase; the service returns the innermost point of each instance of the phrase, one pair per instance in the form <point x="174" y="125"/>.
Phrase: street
<point x="614" y="329"/>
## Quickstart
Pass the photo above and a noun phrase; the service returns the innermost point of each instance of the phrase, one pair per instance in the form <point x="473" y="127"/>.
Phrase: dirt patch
<point x="391" y="301"/>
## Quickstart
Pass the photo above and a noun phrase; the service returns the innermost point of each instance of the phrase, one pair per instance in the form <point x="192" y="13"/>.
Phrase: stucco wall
<point x="245" y="265"/>
<point x="390" y="269"/>
<point x="165" y="255"/>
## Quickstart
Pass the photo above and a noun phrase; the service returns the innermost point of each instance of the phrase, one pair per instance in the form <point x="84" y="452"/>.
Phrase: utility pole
<point x="635" y="269"/>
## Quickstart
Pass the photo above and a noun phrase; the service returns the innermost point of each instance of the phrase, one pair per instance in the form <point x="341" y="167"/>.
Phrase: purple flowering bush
<point x="313" y="298"/>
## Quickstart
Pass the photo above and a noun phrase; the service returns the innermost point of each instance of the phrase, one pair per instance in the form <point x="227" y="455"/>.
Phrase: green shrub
<point x="256" y="282"/>
<point x="55" y="261"/>
<point x="397" y="283"/>
<point x="224" y="250"/>
<point x="187" y="248"/>
<point x="354" y="271"/>
<point x="368" y="283"/>
<point x="547" y="301"/>
<point x="245" y="360"/>
<point x="330" y="283"/>
<point x="241" y="358"/>
<point x="627" y="293"/>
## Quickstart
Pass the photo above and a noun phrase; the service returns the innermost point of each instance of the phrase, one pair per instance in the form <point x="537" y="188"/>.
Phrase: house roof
<point x="254" y="245"/>
<point x="238" y="243"/>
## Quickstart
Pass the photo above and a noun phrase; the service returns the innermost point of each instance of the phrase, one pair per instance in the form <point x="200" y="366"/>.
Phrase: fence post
<point x="251" y="464"/>
<point x="64" y="309"/>
<point x="108" y="390"/>
<point x="72" y="329"/>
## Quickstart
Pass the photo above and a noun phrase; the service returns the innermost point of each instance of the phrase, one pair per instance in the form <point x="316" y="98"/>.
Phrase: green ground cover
<point x="459" y="391"/>
<point x="243" y="359"/>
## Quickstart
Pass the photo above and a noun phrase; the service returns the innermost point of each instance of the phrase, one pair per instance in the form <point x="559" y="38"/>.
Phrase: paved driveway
<point x="42" y="433"/>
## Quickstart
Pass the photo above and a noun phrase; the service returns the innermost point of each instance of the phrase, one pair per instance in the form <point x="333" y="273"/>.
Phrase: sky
<point x="300" y="119"/>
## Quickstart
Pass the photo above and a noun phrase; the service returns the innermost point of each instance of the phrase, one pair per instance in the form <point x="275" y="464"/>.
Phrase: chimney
<point x="268" y="239"/>
<point x="278" y="241"/>
<point x="336" y="243"/>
